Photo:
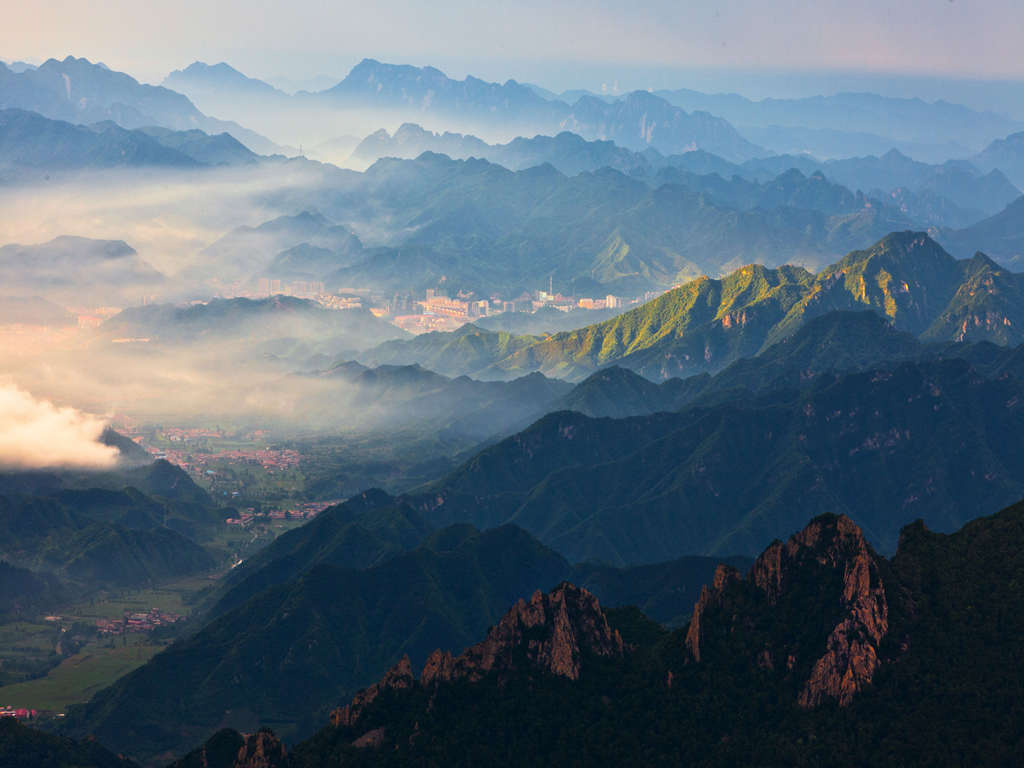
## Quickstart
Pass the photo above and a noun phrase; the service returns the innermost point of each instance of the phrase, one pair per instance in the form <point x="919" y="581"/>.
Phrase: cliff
<point x="550" y="633"/>
<point x="830" y="557"/>
<point x="228" y="748"/>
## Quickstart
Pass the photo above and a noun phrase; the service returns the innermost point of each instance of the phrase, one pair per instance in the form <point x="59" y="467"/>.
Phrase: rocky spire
<point x="829" y="544"/>
<point x="261" y="750"/>
<point x="399" y="677"/>
<point x="554" y="629"/>
<point x="550" y="632"/>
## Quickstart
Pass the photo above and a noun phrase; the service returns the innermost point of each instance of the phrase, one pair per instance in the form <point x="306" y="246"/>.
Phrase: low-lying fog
<point x="49" y="352"/>
<point x="167" y="216"/>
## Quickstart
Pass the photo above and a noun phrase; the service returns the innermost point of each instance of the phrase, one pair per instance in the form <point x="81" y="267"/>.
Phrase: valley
<point x="456" y="385"/>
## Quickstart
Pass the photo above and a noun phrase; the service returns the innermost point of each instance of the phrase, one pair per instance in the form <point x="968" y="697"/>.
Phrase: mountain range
<point x="954" y="193"/>
<point x="637" y="121"/>
<point x="840" y="125"/>
<point x="1005" y="154"/>
<point x="30" y="142"/>
<point x="101" y="530"/>
<point x="867" y="443"/>
<point x="409" y="398"/>
<point x="63" y="269"/>
<point x="706" y="324"/>
<point x="316" y="619"/>
<point x="844" y="658"/>
<point x="470" y="224"/>
<point x="999" y="235"/>
<point x="846" y="124"/>
<point x="256" y="320"/>
<point x="79" y="91"/>
<point x="306" y="246"/>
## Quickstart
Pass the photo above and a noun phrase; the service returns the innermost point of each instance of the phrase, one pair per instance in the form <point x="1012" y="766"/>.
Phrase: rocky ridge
<point x="551" y="632"/>
<point x="831" y="544"/>
<point x="229" y="749"/>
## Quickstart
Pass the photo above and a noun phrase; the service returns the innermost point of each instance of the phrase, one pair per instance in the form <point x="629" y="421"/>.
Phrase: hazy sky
<point x="557" y="43"/>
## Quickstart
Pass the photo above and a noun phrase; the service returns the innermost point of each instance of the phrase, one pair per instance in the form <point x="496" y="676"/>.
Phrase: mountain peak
<point x="551" y="632"/>
<point x="901" y="244"/>
<point x="553" y="629"/>
<point x="830" y="555"/>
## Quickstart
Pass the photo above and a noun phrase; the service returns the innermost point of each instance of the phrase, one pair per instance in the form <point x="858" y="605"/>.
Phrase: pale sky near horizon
<point x="554" y="43"/>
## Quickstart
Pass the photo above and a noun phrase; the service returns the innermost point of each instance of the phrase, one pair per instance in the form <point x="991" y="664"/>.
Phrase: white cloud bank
<point x="36" y="433"/>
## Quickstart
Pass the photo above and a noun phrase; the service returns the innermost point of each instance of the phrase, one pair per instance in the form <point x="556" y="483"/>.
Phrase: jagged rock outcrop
<point x="261" y="750"/>
<point x="399" y="677"/>
<point x="828" y="547"/>
<point x="228" y="748"/>
<point x="554" y="629"/>
<point x="551" y="632"/>
<point x="724" y="575"/>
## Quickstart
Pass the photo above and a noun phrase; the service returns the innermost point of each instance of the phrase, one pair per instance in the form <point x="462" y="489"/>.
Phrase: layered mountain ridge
<point x="704" y="325"/>
<point x="817" y="638"/>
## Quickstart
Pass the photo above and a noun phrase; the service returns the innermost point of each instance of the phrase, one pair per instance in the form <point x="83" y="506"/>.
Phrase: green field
<point x="174" y="598"/>
<point x="30" y="648"/>
<point x="78" y="677"/>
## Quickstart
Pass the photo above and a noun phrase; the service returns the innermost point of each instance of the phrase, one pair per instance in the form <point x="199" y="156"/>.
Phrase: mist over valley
<point x="606" y="390"/>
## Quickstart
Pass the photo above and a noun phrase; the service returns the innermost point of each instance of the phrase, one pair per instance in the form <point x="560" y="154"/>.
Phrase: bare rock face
<point x="440" y="667"/>
<point x="261" y="750"/>
<point x="553" y="629"/>
<point x="828" y="545"/>
<point x="851" y="658"/>
<point x="724" y="574"/>
<point x="399" y="677"/>
<point x="550" y="632"/>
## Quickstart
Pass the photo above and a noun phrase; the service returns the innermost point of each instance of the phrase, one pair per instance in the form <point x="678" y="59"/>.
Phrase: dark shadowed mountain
<point x="100" y="539"/>
<point x="334" y="628"/>
<point x="922" y="439"/>
<point x="133" y="525"/>
<point x="22" y="745"/>
<point x="845" y="658"/>
<point x="302" y="647"/>
<point x="25" y="594"/>
<point x="617" y="393"/>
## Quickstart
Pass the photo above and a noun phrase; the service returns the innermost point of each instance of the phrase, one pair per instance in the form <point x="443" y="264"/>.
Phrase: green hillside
<point x="706" y="324"/>
<point x="291" y="653"/>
